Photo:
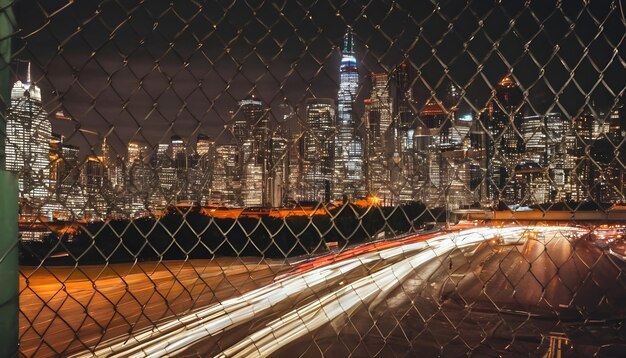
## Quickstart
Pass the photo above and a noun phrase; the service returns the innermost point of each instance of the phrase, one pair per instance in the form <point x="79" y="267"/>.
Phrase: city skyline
<point x="393" y="152"/>
<point x="196" y="83"/>
<point x="313" y="178"/>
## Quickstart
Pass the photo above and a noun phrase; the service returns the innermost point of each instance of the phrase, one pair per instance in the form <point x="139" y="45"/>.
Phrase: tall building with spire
<point x="348" y="179"/>
<point x="28" y="136"/>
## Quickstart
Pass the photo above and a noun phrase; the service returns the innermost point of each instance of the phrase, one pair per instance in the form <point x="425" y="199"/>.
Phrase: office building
<point x="318" y="150"/>
<point x="28" y="135"/>
<point x="226" y="188"/>
<point x="503" y="120"/>
<point x="348" y="176"/>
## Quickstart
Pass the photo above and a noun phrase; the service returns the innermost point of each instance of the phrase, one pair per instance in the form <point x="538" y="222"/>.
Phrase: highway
<point x="66" y="309"/>
<point x="488" y="290"/>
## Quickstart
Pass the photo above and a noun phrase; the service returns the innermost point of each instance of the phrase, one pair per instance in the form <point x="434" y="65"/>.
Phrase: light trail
<point x="368" y="290"/>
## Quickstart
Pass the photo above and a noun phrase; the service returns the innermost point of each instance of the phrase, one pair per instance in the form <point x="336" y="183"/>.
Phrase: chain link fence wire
<point x="319" y="178"/>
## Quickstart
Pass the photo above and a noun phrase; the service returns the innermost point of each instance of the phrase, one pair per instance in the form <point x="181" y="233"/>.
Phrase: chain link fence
<point x="317" y="178"/>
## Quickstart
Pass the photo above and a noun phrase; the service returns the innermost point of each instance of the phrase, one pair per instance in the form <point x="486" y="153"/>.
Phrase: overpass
<point x="612" y="215"/>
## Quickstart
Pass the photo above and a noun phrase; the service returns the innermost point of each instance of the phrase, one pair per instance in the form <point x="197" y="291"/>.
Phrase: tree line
<point x="186" y="233"/>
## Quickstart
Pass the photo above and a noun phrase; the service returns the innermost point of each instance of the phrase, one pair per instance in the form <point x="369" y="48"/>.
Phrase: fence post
<point x="9" y="286"/>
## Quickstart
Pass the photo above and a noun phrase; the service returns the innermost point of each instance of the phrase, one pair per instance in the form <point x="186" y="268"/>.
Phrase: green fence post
<point x="9" y="284"/>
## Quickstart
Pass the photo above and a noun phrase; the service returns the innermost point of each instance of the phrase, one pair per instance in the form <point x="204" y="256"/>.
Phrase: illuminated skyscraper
<point x="254" y="158"/>
<point x="28" y="134"/>
<point x="226" y="187"/>
<point x="605" y="168"/>
<point x="278" y="166"/>
<point x="533" y="132"/>
<point x="348" y="176"/>
<point x="252" y="185"/>
<point x="556" y="154"/>
<point x="64" y="180"/>
<point x="616" y="167"/>
<point x="581" y="137"/>
<point x="379" y="139"/>
<point x="436" y="122"/>
<point x="54" y="156"/>
<point x="113" y="182"/>
<point x="240" y="127"/>
<point x="113" y="169"/>
<point x="204" y="146"/>
<point x="136" y="152"/>
<point x="478" y="166"/>
<point x="278" y="184"/>
<point x="505" y="145"/>
<point x="64" y="168"/>
<point x="403" y="171"/>
<point x="256" y="127"/>
<point x="179" y="176"/>
<point x="201" y="169"/>
<point x="92" y="180"/>
<point x="294" y="177"/>
<point x="541" y="173"/>
<point x="179" y="154"/>
<point x="139" y="177"/>
<point x="318" y="150"/>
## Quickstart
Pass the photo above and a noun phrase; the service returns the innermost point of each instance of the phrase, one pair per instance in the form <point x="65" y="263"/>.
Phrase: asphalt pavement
<point x="489" y="291"/>
<point x="64" y="310"/>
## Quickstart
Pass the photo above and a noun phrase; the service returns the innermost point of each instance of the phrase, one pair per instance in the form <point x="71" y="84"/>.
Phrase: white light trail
<point x="175" y="336"/>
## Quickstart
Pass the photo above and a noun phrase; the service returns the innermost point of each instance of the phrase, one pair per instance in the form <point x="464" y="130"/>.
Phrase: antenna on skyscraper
<point x="348" y="42"/>
<point x="19" y="71"/>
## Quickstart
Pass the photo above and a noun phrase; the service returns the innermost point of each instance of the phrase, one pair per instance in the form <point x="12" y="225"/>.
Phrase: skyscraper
<point x="403" y="171"/>
<point x="556" y="154"/>
<point x="92" y="180"/>
<point x="136" y="152"/>
<point x="436" y="122"/>
<point x="201" y="169"/>
<point x="138" y="176"/>
<point x="294" y="178"/>
<point x="179" y="154"/>
<point x="318" y="150"/>
<point x="64" y="171"/>
<point x="348" y="177"/>
<point x="278" y="166"/>
<point x="544" y="158"/>
<point x="503" y="119"/>
<point x="226" y="187"/>
<point x="28" y="140"/>
<point x="581" y="136"/>
<point x="113" y="171"/>
<point x="254" y="158"/>
<point x="379" y="138"/>
<point x="403" y="97"/>
<point x="180" y="158"/>
<point x="256" y="124"/>
<point x="278" y="184"/>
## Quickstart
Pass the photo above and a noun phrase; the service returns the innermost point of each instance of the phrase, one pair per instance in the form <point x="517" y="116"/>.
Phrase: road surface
<point x="66" y="309"/>
<point x="489" y="291"/>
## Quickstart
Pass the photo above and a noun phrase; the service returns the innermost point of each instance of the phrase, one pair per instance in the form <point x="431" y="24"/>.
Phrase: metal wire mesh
<point x="319" y="178"/>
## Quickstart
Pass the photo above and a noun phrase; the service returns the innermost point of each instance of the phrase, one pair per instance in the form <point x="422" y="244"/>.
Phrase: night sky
<point x="130" y="70"/>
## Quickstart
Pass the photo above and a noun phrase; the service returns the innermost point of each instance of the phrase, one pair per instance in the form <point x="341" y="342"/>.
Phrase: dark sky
<point x="150" y="70"/>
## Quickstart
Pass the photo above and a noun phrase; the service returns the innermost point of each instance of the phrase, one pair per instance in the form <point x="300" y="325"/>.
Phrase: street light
<point x="374" y="200"/>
